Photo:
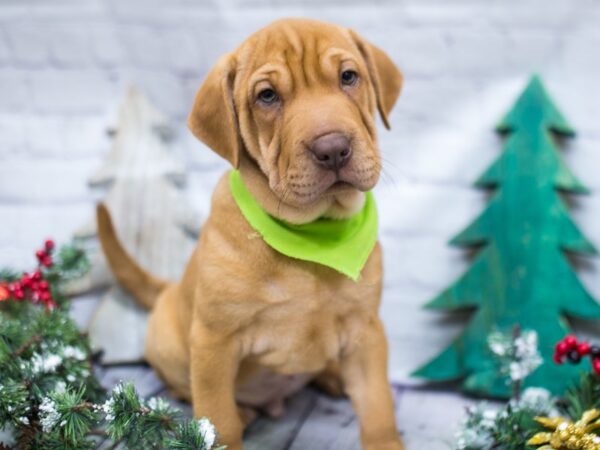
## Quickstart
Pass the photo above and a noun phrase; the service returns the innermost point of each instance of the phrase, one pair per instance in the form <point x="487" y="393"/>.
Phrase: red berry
<point x="40" y="254"/>
<point x="45" y="296"/>
<point x="4" y="293"/>
<point x="596" y="366"/>
<point x="558" y="359"/>
<point x="43" y="285"/>
<point x="561" y="348"/>
<point x="19" y="294"/>
<point x="37" y="275"/>
<point x="571" y="341"/>
<point x="584" y="349"/>
<point x="47" y="261"/>
<point x="49" y="245"/>
<point x="26" y="280"/>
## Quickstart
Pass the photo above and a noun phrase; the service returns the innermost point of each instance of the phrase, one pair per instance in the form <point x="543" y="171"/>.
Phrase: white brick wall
<point x="65" y="63"/>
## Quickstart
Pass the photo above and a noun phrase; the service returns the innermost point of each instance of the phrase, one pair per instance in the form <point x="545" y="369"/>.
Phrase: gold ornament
<point x="567" y="435"/>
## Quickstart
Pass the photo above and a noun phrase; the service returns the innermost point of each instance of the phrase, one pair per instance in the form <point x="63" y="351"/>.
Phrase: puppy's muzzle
<point x="331" y="151"/>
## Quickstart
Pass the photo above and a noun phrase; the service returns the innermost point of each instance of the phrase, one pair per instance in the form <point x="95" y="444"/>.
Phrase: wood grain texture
<point x="427" y="419"/>
<point x="281" y="433"/>
<point x="521" y="274"/>
<point x="329" y="414"/>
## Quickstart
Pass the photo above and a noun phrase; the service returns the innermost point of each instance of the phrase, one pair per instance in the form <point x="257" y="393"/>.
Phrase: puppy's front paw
<point x="236" y="446"/>
<point x="392" y="445"/>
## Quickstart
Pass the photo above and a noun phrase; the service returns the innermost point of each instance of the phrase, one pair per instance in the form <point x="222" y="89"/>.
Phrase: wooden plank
<point x="83" y="308"/>
<point x="428" y="419"/>
<point x="184" y="407"/>
<point x="118" y="327"/>
<point x="278" y="434"/>
<point x="331" y="425"/>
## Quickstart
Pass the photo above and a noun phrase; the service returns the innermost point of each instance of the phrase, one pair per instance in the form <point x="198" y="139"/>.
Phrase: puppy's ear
<point x="213" y="118"/>
<point x="385" y="76"/>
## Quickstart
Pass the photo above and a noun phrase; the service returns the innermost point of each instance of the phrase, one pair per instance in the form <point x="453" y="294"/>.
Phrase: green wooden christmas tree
<point x="520" y="275"/>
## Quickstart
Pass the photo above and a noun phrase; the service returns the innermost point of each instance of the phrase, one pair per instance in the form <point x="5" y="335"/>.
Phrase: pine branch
<point x="582" y="397"/>
<point x="33" y="340"/>
<point x="48" y="393"/>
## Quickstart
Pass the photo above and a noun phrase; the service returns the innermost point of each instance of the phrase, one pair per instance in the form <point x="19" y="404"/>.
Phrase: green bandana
<point x="343" y="245"/>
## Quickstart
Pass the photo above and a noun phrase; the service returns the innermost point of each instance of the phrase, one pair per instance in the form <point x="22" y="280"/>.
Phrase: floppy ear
<point x="385" y="76"/>
<point x="213" y="118"/>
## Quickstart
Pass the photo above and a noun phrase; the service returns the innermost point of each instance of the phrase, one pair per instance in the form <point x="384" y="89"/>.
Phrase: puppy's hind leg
<point x="247" y="414"/>
<point x="166" y="349"/>
<point x="330" y="381"/>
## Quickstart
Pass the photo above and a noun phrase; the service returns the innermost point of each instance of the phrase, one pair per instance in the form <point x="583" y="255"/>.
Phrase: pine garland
<point x="582" y="397"/>
<point x="49" y="396"/>
<point x="533" y="417"/>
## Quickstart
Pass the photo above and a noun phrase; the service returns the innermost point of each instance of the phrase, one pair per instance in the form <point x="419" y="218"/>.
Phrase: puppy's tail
<point x="141" y="284"/>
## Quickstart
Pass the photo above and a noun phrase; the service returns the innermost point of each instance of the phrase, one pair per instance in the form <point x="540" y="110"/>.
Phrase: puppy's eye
<point x="268" y="96"/>
<point x="349" y="77"/>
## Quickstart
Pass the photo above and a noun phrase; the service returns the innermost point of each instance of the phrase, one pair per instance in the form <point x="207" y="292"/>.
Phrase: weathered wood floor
<point x="426" y="418"/>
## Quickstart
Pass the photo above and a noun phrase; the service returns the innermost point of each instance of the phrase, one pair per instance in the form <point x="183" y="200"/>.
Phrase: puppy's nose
<point x="331" y="150"/>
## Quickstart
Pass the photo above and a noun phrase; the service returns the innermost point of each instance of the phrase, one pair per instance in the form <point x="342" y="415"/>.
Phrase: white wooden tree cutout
<point x="152" y="220"/>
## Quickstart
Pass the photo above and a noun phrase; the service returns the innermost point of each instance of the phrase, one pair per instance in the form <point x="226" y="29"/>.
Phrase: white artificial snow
<point x="45" y="363"/>
<point x="108" y="406"/>
<point x="157" y="403"/>
<point x="476" y="429"/>
<point x="60" y="387"/>
<point x="538" y="400"/>
<point x="498" y="344"/>
<point x="518" y="356"/>
<point x="472" y="438"/>
<point x="208" y="432"/>
<point x="74" y="353"/>
<point x="108" y="409"/>
<point x="49" y="416"/>
<point x="527" y="356"/>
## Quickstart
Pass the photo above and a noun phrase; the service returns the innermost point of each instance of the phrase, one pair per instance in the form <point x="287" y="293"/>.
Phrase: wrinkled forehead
<point x="306" y="51"/>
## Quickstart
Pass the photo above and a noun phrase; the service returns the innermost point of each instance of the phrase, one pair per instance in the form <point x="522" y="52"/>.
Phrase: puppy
<point x="293" y="110"/>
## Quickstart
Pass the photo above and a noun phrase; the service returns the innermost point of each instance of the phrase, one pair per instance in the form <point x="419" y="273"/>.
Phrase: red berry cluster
<point x="44" y="255"/>
<point x="33" y="287"/>
<point x="573" y="351"/>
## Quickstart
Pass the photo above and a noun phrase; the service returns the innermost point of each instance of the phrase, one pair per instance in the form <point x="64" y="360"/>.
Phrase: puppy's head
<point x="299" y="98"/>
